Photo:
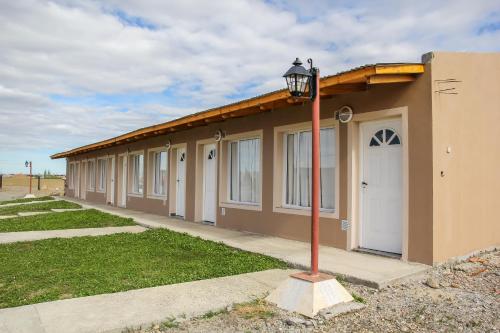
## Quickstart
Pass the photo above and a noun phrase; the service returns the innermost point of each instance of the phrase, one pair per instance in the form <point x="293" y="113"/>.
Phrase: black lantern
<point x="26" y="164"/>
<point x="297" y="79"/>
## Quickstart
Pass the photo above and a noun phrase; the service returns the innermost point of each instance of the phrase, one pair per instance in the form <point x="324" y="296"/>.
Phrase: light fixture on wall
<point x="344" y="114"/>
<point x="168" y="144"/>
<point x="219" y="135"/>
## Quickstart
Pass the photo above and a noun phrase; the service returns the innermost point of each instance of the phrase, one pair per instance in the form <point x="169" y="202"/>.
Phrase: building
<point x="415" y="172"/>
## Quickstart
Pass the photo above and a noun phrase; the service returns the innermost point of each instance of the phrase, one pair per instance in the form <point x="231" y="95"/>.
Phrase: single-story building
<point x="415" y="172"/>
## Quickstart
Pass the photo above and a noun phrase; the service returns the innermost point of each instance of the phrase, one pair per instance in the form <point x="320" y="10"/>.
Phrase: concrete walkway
<point x="371" y="270"/>
<point x="141" y="307"/>
<point x="24" y="203"/>
<point x="22" y="236"/>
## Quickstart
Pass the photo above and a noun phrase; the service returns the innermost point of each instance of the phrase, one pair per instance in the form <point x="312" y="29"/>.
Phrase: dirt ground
<point x="17" y="186"/>
<point x="459" y="297"/>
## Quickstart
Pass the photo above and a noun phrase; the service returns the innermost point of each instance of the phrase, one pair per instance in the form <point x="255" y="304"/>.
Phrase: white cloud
<point x="201" y="52"/>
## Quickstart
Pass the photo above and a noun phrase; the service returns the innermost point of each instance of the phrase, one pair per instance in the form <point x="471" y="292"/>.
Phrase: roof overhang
<point x="354" y="80"/>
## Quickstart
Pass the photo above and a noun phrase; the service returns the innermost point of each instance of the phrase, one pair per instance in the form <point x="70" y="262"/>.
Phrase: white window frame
<point x="152" y="172"/>
<point x="259" y="194"/>
<point x="132" y="156"/>
<point x="91" y="176"/>
<point x="101" y="181"/>
<point x="296" y="151"/>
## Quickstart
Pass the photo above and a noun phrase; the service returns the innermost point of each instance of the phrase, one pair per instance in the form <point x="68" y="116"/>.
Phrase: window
<point x="244" y="171"/>
<point x="137" y="173"/>
<point x="101" y="171"/>
<point x="91" y="175"/>
<point x="298" y="168"/>
<point x="385" y="137"/>
<point x="71" y="175"/>
<point x="159" y="173"/>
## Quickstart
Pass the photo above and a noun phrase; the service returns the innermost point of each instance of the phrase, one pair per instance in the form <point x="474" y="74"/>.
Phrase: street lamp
<point x="28" y="164"/>
<point x="309" y="292"/>
<point x="299" y="81"/>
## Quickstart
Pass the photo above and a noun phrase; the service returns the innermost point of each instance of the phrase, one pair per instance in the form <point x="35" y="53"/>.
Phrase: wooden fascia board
<point x="390" y="78"/>
<point x="257" y="104"/>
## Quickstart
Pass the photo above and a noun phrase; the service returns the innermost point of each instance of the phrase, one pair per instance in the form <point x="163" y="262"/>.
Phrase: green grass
<point x="25" y="200"/>
<point x="37" y="207"/>
<point x="90" y="218"/>
<point x="52" y="269"/>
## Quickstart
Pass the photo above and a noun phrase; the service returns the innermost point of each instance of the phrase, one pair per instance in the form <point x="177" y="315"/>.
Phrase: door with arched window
<point x="381" y="185"/>
<point x="210" y="183"/>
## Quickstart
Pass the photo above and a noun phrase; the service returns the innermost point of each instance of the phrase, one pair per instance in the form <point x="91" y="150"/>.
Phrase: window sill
<point x="137" y="195"/>
<point x="305" y="212"/>
<point x="90" y="190"/>
<point x="99" y="191"/>
<point x="240" y="205"/>
<point x="157" y="197"/>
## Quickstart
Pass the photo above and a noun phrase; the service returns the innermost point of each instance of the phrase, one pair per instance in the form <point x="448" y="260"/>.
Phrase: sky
<point x="76" y="72"/>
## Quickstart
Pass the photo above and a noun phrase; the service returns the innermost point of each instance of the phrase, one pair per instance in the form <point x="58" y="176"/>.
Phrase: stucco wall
<point x="467" y="178"/>
<point x="415" y="95"/>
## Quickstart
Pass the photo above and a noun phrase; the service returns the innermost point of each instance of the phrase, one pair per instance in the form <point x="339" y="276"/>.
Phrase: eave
<point x="357" y="79"/>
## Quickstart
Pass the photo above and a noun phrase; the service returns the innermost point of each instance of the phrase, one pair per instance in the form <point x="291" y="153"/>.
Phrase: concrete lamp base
<point x="308" y="294"/>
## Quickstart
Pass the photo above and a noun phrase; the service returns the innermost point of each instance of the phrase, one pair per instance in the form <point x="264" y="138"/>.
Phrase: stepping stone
<point x="61" y="210"/>
<point x="31" y="213"/>
<point x="7" y="217"/>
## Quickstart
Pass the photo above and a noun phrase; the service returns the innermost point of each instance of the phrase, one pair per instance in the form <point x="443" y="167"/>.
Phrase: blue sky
<point x="72" y="73"/>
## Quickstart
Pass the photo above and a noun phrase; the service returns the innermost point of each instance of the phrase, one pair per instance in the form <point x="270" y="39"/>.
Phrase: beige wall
<point x="416" y="96"/>
<point x="467" y="178"/>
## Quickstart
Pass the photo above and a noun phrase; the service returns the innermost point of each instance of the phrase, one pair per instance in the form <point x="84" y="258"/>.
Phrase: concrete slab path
<point x="22" y="236"/>
<point x="24" y="203"/>
<point x="141" y="307"/>
<point x="371" y="270"/>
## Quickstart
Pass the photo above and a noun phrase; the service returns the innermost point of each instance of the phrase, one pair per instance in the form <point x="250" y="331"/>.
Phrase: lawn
<point x="52" y="269"/>
<point x="26" y="200"/>
<point x="37" y="207"/>
<point x="89" y="218"/>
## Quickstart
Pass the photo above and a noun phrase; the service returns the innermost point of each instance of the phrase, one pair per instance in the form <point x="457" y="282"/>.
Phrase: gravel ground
<point x="459" y="297"/>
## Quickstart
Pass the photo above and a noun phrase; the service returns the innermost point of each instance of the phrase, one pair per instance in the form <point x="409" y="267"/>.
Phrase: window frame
<point x="91" y="185"/>
<point x="131" y="168"/>
<point x="229" y="156"/>
<point x="151" y="171"/>
<point x="279" y="159"/>
<point x="224" y="182"/>
<point x="104" y="161"/>
<point x="296" y="133"/>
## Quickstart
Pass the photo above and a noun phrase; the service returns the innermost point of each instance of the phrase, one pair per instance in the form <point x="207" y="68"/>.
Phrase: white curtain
<point x="327" y="155"/>
<point x="305" y="170"/>
<point x="138" y="175"/>
<point x="101" y="167"/>
<point x="299" y="168"/>
<point x="291" y="170"/>
<point x="249" y="165"/>
<point x="160" y="173"/>
<point x="234" y="173"/>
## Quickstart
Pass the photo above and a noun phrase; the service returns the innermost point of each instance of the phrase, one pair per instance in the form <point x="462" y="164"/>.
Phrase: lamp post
<point x="309" y="292"/>
<point x="301" y="82"/>
<point x="28" y="164"/>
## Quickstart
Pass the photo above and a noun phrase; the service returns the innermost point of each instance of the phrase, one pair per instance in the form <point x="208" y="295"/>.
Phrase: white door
<point x="78" y="180"/>
<point x="123" y="193"/>
<point x="112" y="182"/>
<point x="180" y="197"/>
<point x="381" y="185"/>
<point x="83" y="191"/>
<point x="209" y="183"/>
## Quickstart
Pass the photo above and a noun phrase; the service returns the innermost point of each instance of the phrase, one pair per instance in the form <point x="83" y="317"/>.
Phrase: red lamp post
<point x="300" y="82"/>
<point x="28" y="164"/>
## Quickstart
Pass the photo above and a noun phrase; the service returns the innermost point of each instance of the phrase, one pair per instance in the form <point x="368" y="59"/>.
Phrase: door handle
<point x="364" y="184"/>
